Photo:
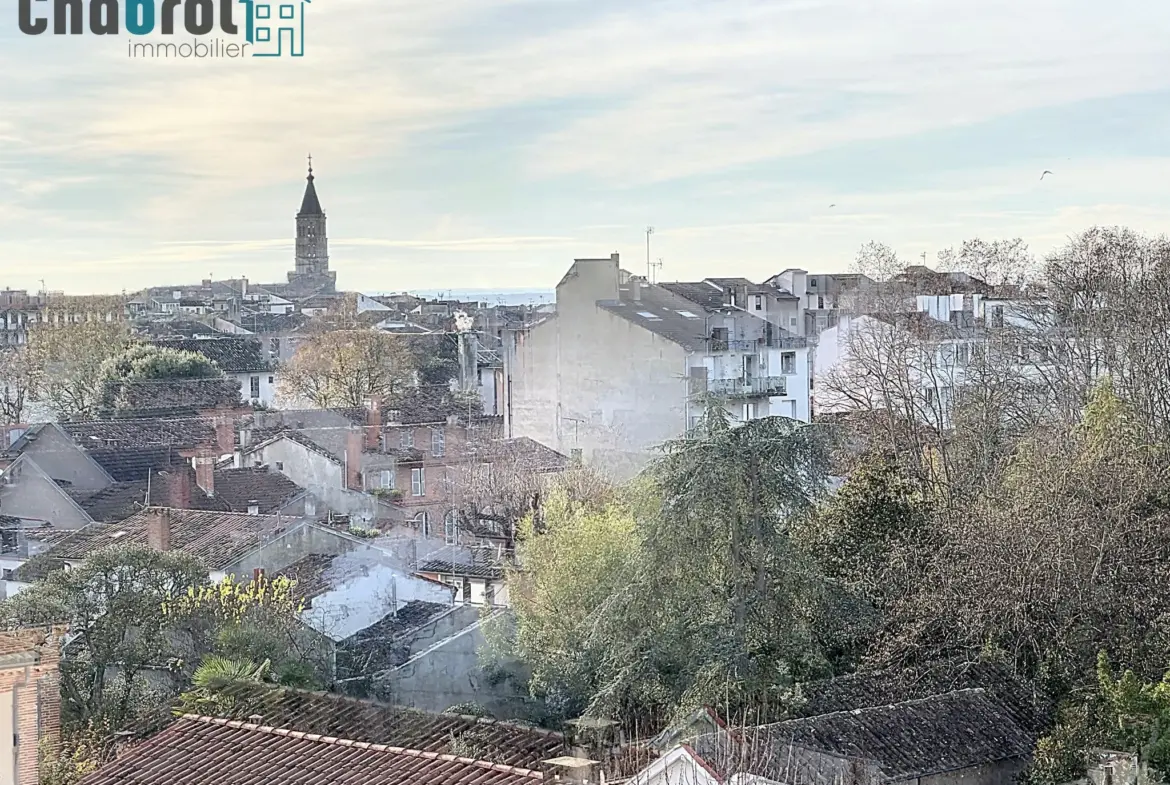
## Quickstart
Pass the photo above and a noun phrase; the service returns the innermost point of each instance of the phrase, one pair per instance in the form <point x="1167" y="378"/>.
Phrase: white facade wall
<point x="265" y="385"/>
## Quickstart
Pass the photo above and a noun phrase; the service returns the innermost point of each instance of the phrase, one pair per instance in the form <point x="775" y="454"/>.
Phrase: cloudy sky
<point x="485" y="143"/>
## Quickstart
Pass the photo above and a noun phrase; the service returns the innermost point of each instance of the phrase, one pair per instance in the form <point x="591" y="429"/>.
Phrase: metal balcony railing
<point x="755" y="387"/>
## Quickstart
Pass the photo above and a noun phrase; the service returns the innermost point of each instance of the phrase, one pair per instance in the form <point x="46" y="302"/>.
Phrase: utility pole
<point x="649" y="231"/>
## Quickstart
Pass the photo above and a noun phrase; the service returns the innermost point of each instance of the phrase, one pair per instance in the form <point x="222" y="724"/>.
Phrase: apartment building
<point x="622" y="365"/>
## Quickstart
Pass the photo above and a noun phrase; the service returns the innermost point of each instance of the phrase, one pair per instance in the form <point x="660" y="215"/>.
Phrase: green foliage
<point x="210" y="693"/>
<point x="147" y="362"/>
<point x="80" y="753"/>
<point x="113" y="603"/>
<point x="683" y="588"/>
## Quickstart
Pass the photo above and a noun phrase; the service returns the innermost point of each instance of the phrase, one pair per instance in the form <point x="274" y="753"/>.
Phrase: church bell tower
<point x="312" y="255"/>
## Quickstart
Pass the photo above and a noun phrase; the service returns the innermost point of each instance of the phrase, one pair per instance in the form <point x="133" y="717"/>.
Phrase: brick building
<point x="30" y="701"/>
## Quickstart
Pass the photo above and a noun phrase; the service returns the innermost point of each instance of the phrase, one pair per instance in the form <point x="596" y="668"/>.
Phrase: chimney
<point x="178" y="487"/>
<point x="225" y="437"/>
<point x="205" y="472"/>
<point x="258" y="574"/>
<point x="636" y="289"/>
<point x="354" y="442"/>
<point x="373" y="424"/>
<point x="253" y="507"/>
<point x="158" y="528"/>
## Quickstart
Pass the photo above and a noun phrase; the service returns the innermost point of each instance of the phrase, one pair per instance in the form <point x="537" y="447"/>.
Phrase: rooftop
<point x="906" y="740"/>
<point x="177" y="397"/>
<point x="200" y="750"/>
<point x="331" y="714"/>
<point x="182" y="433"/>
<point x="231" y="353"/>
<point x="218" y="539"/>
<point x="239" y="489"/>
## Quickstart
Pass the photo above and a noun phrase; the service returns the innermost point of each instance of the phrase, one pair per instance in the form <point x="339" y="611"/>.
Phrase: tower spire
<point x="310" y="166"/>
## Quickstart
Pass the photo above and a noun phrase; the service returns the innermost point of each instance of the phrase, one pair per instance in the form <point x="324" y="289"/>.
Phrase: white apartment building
<point x="620" y="366"/>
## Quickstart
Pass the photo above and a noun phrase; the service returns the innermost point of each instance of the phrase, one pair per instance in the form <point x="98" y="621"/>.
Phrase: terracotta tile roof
<point x="238" y="488"/>
<point x="885" y="687"/>
<point x="445" y="567"/>
<point x="130" y="464"/>
<point x="176" y="397"/>
<point x="112" y="503"/>
<point x="912" y="739"/>
<point x="205" y="751"/>
<point x="232" y="354"/>
<point x="218" y="539"/>
<point x="331" y="714"/>
<point x="181" y="433"/>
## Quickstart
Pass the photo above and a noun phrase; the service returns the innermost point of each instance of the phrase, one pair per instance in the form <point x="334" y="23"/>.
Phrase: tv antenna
<point x="654" y="266"/>
<point x="649" y="231"/>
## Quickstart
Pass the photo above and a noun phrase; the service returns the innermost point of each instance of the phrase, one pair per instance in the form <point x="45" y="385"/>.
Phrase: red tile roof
<point x="206" y="751"/>
<point x="331" y="714"/>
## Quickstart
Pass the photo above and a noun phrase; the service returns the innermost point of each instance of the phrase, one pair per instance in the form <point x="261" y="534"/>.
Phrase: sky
<point x="486" y="143"/>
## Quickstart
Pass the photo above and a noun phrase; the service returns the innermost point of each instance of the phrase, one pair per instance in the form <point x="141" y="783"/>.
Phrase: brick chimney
<point x="158" y="528"/>
<point x="374" y="424"/>
<point x="205" y="472"/>
<point x="354" y="442"/>
<point x="177" y="482"/>
<point x="225" y="436"/>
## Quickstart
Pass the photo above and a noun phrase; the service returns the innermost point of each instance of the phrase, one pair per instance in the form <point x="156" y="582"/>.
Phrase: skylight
<point x="687" y="314"/>
<point x="648" y="315"/>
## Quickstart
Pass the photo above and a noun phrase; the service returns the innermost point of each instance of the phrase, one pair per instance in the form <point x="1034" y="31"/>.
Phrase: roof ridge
<point x="866" y="709"/>
<point x="316" y="737"/>
<point x="333" y="696"/>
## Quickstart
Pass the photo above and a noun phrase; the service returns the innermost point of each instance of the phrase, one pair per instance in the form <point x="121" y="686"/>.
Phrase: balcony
<point x="755" y="387"/>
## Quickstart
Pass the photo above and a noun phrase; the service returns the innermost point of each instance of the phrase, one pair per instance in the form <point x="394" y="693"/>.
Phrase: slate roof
<point x="906" y="740"/>
<point x="331" y="714"/>
<point x="699" y="292"/>
<point x="427" y="404"/>
<point x="665" y="317"/>
<point x="238" y="488"/>
<point x="202" y="751"/>
<point x="310" y="204"/>
<point x="530" y="453"/>
<point x="232" y="354"/>
<point x="218" y="539"/>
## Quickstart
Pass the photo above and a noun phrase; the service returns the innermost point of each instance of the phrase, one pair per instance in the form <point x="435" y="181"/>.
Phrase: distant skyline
<point x="486" y="143"/>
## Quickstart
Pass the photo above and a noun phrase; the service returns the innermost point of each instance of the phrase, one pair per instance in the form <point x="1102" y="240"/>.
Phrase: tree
<point x="65" y="364"/>
<point x="346" y="368"/>
<point x="113" y="603"/>
<point x="688" y="589"/>
<point x="17" y="377"/>
<point x="144" y="362"/>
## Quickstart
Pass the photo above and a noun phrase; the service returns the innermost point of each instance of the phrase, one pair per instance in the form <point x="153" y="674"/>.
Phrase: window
<point x="387" y="478"/>
<point x="686" y="315"/>
<point x="274" y="347"/>
<point x="272" y="380"/>
<point x="650" y="316"/>
<point x="418" y="482"/>
<point x="820" y="303"/>
<point x="255" y="386"/>
<point x="286" y="12"/>
<point x="262" y="12"/>
<point x="759" y="302"/>
<point x="407" y="438"/>
<point x="787" y="363"/>
<point x="438" y="439"/>
<point x="749" y="411"/>
<point x="963" y="354"/>
<point x="451" y="528"/>
<point x="280" y="466"/>
<point x="423" y="523"/>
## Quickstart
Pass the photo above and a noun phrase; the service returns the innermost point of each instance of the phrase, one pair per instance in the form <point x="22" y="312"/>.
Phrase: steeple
<point x="312" y="253"/>
<point x="311" y="205"/>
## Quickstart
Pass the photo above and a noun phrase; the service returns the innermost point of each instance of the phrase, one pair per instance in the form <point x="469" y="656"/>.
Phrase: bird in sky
<point x="832" y="205"/>
<point x="1044" y="173"/>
